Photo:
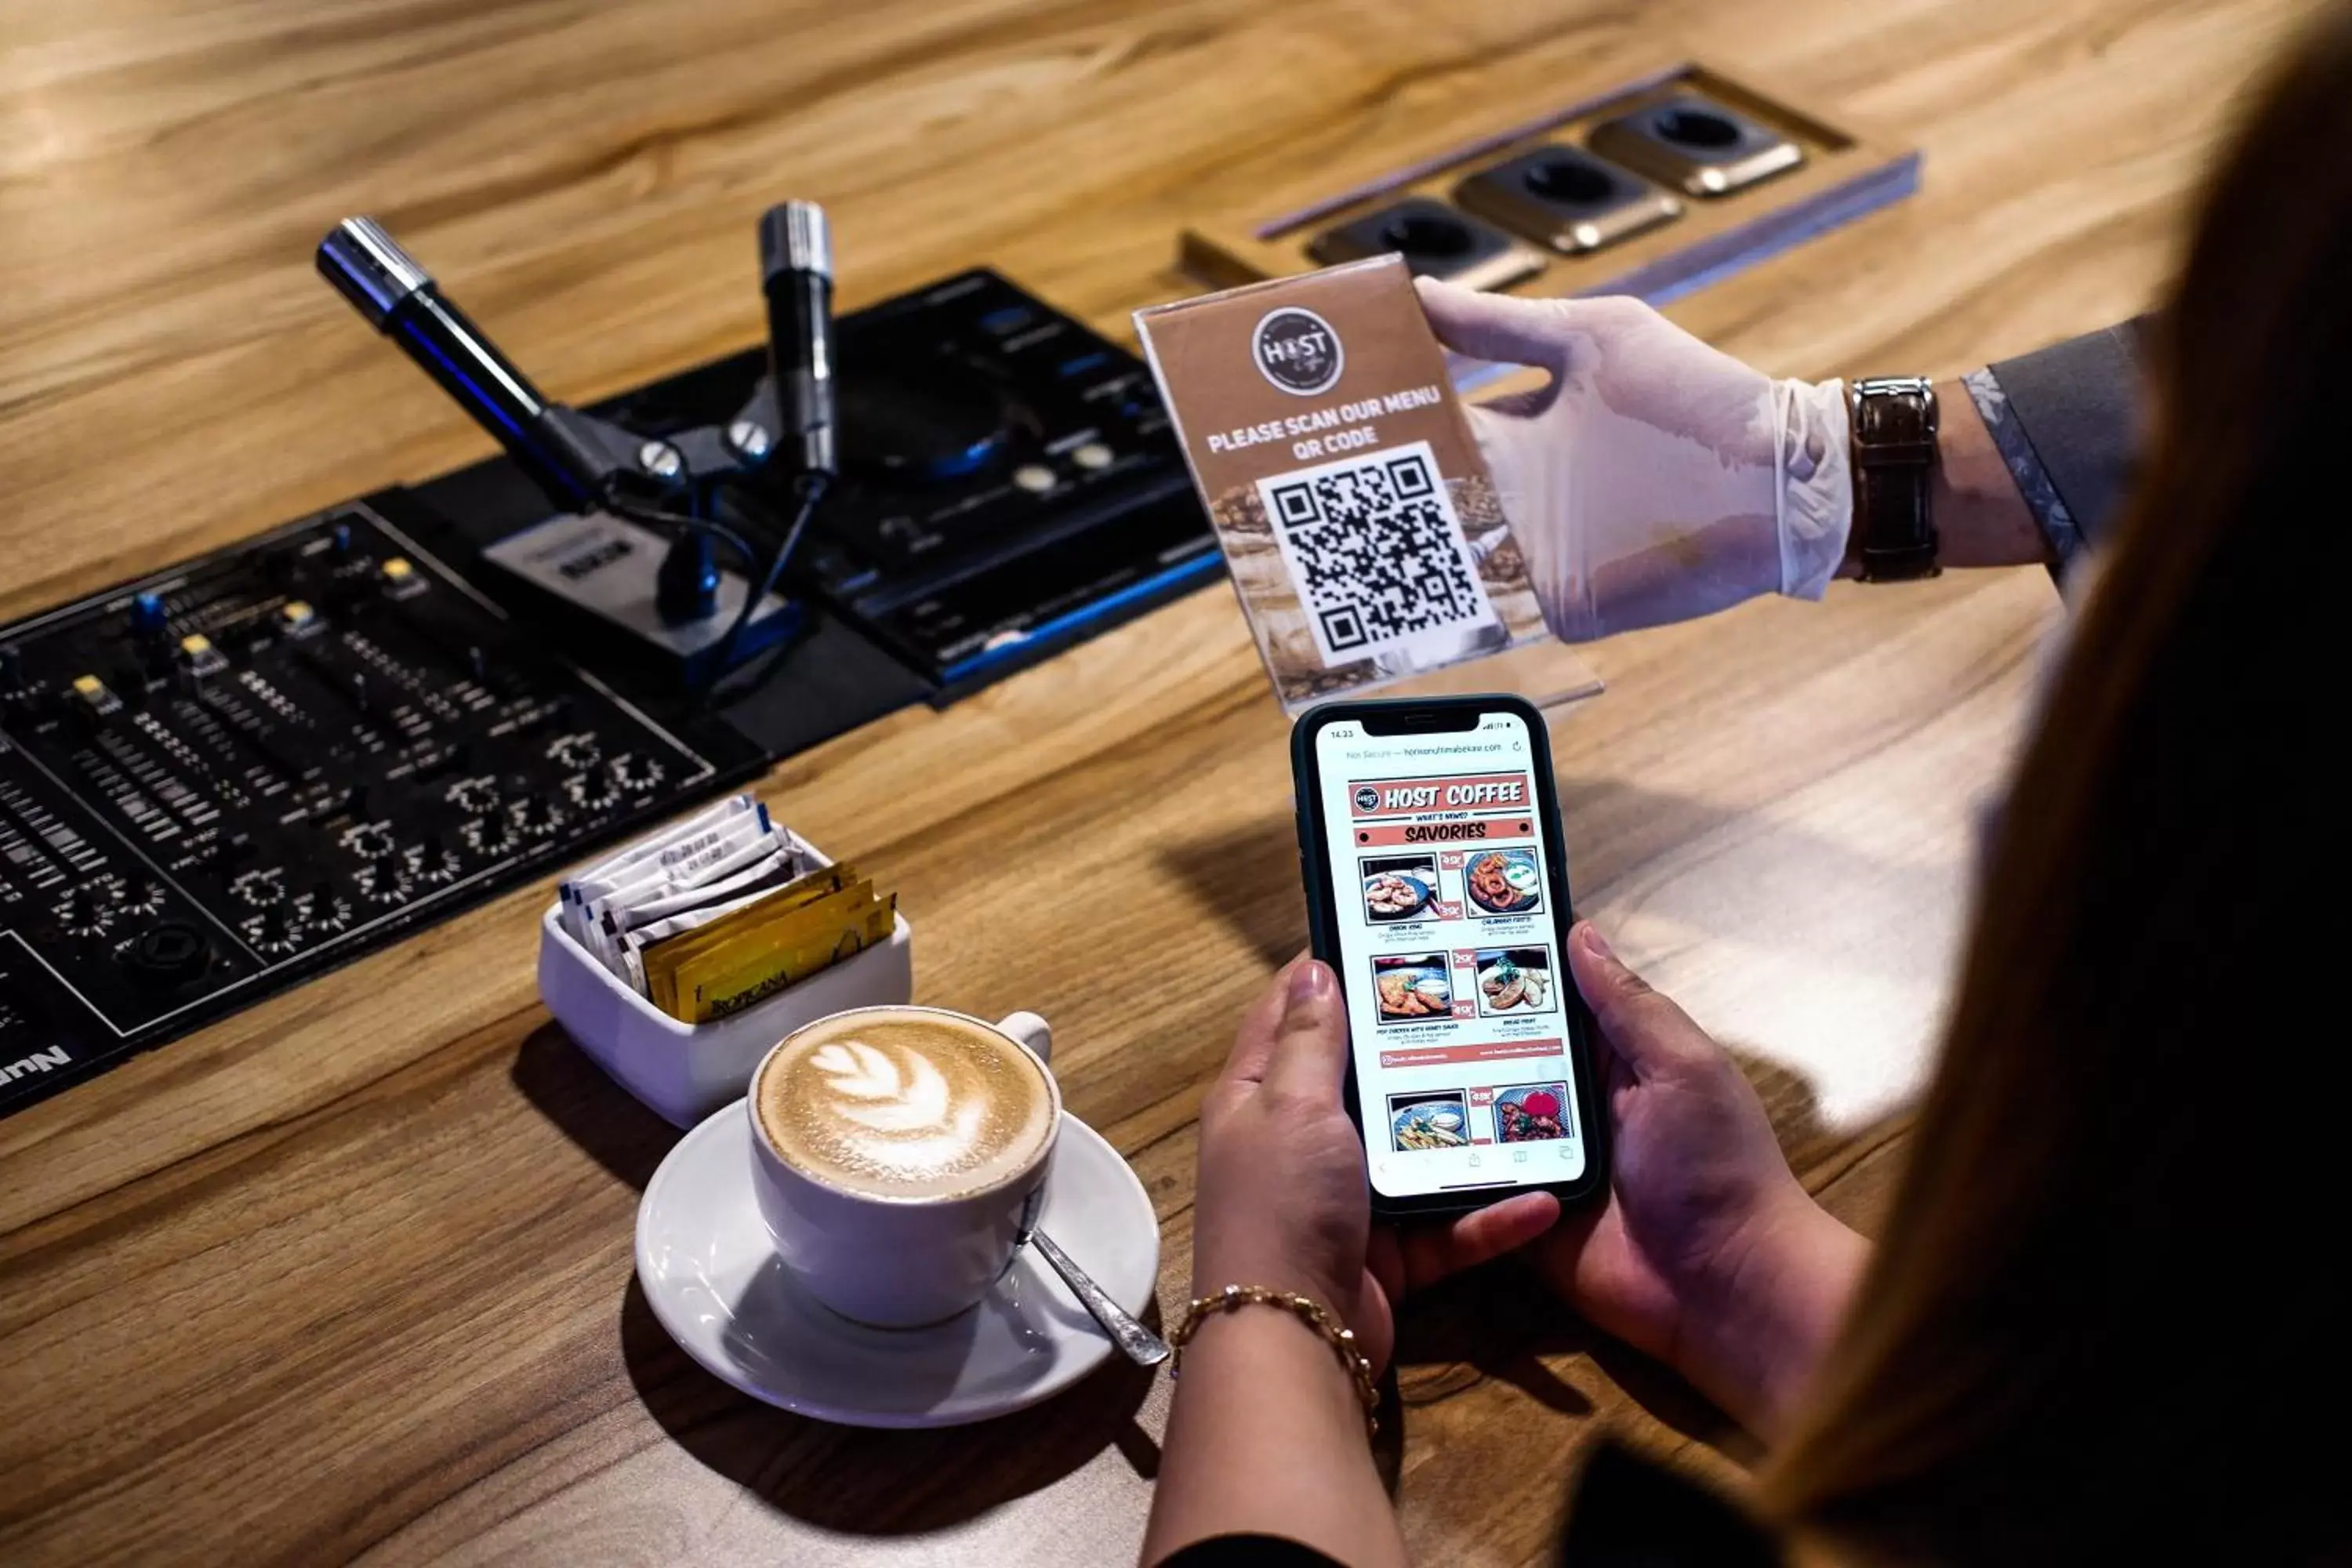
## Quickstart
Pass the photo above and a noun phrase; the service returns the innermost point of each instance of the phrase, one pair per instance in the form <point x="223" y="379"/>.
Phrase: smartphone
<point x="1437" y="890"/>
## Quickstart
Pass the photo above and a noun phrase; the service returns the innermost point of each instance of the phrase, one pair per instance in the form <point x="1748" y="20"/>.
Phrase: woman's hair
<point x="2106" y="1316"/>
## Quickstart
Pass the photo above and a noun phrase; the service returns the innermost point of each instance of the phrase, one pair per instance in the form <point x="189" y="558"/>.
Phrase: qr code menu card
<point x="1378" y="557"/>
<point x="1362" y="532"/>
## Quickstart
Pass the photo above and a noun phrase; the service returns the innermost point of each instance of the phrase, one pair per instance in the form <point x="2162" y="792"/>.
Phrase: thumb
<point x="1310" y="1043"/>
<point x="1645" y="1030"/>
<point x="1497" y="327"/>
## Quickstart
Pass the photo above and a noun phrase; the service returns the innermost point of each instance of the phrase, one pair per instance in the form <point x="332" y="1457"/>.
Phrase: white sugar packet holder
<point x="685" y="1071"/>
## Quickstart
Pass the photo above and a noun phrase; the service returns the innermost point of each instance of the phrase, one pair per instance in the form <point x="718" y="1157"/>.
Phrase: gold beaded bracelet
<point x="1308" y="1310"/>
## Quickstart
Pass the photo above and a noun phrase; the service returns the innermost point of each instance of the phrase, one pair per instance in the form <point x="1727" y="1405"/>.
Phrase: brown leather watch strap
<point x="1893" y="422"/>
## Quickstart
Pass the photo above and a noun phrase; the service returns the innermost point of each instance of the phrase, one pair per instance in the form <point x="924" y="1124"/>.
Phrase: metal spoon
<point x="1142" y="1346"/>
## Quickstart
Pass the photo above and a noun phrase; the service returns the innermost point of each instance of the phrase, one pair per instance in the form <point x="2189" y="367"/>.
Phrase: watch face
<point x="1895" y="395"/>
<point x="1892" y="411"/>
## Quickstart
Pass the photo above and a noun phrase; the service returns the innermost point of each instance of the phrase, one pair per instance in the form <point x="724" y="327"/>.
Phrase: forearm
<point x="1980" y="517"/>
<point x="1266" y="1437"/>
<point x="1753" y="1343"/>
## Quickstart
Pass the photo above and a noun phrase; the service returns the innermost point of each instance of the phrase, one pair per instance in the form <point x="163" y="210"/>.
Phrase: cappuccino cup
<point x="899" y="1155"/>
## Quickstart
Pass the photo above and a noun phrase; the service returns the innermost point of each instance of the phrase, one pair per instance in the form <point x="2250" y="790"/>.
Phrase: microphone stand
<point x="778" y="449"/>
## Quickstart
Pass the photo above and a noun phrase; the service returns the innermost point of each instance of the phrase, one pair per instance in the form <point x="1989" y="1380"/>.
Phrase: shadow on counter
<point x="867" y="1482"/>
<point x="605" y="1121"/>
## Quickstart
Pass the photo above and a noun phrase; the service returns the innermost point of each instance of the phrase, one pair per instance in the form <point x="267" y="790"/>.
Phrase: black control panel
<point x="241" y="771"/>
<point x="1010" y="481"/>
<point x="254" y="766"/>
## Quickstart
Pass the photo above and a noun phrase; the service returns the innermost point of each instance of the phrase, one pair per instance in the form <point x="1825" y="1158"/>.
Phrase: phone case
<point x="1322" y="917"/>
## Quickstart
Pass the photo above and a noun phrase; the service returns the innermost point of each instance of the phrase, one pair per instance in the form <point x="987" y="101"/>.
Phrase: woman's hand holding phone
<point x="1282" y="1200"/>
<point x="1708" y="1254"/>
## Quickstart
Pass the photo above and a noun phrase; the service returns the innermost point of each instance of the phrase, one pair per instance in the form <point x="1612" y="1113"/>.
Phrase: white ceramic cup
<point x="894" y="1262"/>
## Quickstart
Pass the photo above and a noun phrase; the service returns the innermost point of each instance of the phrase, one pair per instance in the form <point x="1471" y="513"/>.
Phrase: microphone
<point x="796" y="274"/>
<point x="398" y="297"/>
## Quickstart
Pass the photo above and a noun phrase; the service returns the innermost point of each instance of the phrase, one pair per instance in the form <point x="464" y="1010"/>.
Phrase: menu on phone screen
<point x="1447" y="956"/>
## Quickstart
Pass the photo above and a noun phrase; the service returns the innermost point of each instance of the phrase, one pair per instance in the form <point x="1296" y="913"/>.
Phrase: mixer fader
<point x="248" y="769"/>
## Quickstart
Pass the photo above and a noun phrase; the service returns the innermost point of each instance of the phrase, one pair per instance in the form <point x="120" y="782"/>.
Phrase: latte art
<point x="906" y="1103"/>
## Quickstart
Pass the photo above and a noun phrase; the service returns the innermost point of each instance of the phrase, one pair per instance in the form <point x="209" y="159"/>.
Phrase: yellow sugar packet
<point x="728" y="981"/>
<point x="822" y="919"/>
<point x="763" y="977"/>
<point x="661" y="958"/>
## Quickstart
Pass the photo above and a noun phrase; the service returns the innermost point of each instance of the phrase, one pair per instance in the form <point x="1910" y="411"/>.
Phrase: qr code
<point x="1377" y="553"/>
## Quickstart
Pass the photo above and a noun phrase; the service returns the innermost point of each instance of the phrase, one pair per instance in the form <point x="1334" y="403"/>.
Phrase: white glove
<point x="1655" y="479"/>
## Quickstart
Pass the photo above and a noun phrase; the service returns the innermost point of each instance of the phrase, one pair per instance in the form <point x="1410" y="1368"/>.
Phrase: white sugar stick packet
<point x="728" y="822"/>
<point x="765" y="862"/>
<point x="676" y="835"/>
<point x="722" y="851"/>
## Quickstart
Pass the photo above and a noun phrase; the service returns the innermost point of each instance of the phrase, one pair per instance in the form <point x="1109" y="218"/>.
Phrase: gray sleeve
<point x="2066" y="421"/>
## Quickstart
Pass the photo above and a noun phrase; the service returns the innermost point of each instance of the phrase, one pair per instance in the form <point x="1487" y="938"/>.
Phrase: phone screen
<point x="1448" y="953"/>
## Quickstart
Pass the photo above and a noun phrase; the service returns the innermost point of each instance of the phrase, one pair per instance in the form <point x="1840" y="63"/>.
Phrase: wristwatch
<point x="1894" y="419"/>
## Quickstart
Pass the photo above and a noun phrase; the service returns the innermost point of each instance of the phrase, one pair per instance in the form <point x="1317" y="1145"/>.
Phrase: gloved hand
<point x="1655" y="479"/>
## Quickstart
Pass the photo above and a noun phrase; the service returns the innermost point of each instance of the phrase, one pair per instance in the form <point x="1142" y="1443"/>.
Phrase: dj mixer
<point x="240" y="772"/>
<point x="226" y="777"/>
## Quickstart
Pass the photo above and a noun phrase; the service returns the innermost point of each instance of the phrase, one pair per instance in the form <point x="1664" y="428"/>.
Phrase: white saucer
<point x="715" y="1284"/>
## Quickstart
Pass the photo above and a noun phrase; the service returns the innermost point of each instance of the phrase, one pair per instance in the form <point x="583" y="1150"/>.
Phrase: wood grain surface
<point x="347" y="1275"/>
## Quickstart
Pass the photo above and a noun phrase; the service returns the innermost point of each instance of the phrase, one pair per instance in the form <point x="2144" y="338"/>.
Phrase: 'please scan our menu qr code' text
<point x="1377" y="553"/>
<point x="1300" y="429"/>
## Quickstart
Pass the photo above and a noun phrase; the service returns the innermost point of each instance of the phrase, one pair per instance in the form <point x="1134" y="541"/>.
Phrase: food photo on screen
<point x="1503" y="882"/>
<point x="1515" y="980"/>
<point x="1413" y="987"/>
<point x="1440" y="1119"/>
<point x="1531" y="1113"/>
<point x="1398" y="887"/>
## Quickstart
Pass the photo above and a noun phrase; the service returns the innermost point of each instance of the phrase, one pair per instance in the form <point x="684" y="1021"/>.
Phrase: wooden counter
<point x="350" y="1273"/>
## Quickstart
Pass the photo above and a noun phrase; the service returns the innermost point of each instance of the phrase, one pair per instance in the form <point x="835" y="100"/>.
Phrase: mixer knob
<point x="573" y="752"/>
<point x="273" y="933"/>
<point x="90" y="910"/>
<point x="634" y="773"/>
<point x="143" y="899"/>
<point x="474" y="796"/>
<point x="198" y="656"/>
<point x="260" y="887"/>
<point x="385" y="881"/>
<point x="488" y="834"/>
<point x="371" y="840"/>
<point x="92" y="696"/>
<point x="148" y="618"/>
<point x="536" y="815"/>
<point x="594" y="790"/>
<point x="325" y="914"/>
<point x="431" y="863"/>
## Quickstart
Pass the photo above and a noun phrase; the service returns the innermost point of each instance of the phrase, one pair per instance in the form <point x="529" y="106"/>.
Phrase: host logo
<point x="1297" y="351"/>
<point x="39" y="1061"/>
<point x="1366" y="797"/>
